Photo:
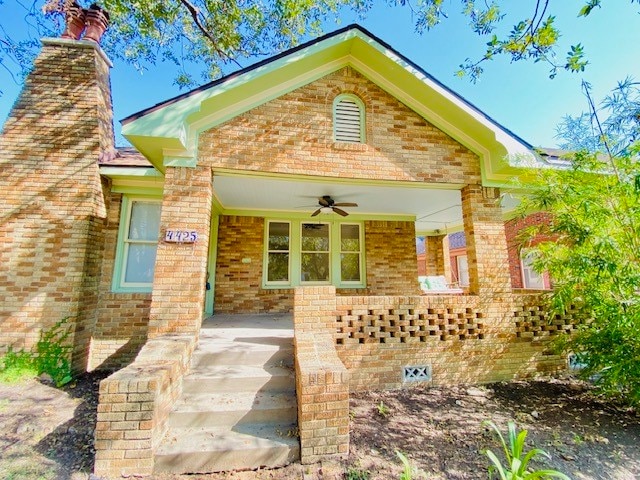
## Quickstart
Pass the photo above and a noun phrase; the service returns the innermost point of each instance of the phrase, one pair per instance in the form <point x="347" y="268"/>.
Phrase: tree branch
<point x="194" y="12"/>
<point x="594" y="116"/>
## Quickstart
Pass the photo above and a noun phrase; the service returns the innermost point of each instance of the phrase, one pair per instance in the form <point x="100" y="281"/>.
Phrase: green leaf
<point x="586" y="10"/>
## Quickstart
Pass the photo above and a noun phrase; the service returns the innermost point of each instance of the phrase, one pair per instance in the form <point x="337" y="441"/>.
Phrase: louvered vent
<point x="348" y="122"/>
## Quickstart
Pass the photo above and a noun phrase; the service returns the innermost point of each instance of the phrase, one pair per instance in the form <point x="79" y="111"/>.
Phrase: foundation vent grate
<point x="416" y="373"/>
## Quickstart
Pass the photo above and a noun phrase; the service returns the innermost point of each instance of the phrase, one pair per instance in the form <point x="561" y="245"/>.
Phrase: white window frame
<point x="267" y="252"/>
<point x="349" y="97"/>
<point x="525" y="266"/>
<point x="122" y="247"/>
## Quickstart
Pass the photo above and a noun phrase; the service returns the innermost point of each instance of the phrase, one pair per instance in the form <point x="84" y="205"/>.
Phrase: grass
<point x="16" y="367"/>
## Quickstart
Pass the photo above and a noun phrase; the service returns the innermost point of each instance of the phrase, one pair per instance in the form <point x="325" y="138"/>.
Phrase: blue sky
<point x="520" y="95"/>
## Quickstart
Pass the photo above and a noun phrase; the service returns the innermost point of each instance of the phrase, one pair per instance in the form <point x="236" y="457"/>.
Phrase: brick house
<point x="211" y="211"/>
<point x="522" y="274"/>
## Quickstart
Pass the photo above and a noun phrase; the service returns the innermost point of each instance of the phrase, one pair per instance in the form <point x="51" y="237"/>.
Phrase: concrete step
<point x="243" y="355"/>
<point x="205" y="449"/>
<point x="238" y="378"/>
<point x="238" y="407"/>
<point x="229" y="409"/>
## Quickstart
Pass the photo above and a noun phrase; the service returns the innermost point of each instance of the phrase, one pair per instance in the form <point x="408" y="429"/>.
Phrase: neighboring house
<point x="523" y="276"/>
<point x="211" y="211"/>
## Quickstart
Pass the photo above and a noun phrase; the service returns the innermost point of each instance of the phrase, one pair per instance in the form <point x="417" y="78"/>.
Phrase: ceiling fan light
<point x="326" y="210"/>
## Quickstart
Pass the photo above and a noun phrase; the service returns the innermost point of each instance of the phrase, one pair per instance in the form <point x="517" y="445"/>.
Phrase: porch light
<point x="326" y="210"/>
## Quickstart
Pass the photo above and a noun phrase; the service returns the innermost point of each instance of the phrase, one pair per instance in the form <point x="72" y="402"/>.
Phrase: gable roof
<point x="167" y="133"/>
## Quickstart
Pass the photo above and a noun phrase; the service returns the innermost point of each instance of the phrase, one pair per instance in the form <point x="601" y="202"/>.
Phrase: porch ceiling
<point x="433" y="209"/>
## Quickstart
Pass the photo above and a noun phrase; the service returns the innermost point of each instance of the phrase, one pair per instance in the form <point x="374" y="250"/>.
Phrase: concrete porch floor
<point x="227" y="325"/>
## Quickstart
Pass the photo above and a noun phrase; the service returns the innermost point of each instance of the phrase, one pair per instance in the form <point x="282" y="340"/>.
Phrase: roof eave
<point x="167" y="133"/>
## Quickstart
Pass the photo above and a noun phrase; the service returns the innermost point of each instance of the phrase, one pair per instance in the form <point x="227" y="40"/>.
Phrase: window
<point x="278" y="252"/>
<point x="348" y="119"/>
<point x="299" y="252"/>
<point x="530" y="278"/>
<point x="350" y="253"/>
<point x="137" y="245"/>
<point x="315" y="253"/>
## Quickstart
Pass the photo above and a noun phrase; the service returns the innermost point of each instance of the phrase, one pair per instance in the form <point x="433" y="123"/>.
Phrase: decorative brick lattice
<point x="532" y="322"/>
<point x="397" y="325"/>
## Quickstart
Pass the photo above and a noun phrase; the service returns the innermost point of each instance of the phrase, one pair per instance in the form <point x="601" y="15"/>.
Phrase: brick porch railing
<point x="342" y="344"/>
<point x="134" y="404"/>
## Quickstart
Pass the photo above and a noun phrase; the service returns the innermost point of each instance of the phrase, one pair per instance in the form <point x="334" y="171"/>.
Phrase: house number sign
<point x="181" y="236"/>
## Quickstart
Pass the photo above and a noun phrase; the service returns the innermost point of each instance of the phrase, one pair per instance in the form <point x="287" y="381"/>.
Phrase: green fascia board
<point x="134" y="180"/>
<point x="175" y="126"/>
<point x="129" y="172"/>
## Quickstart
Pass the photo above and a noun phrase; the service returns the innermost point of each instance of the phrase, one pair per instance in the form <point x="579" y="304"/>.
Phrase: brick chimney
<point x="52" y="209"/>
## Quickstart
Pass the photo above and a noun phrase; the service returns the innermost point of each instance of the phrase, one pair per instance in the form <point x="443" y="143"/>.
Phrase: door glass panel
<point x="315" y="253"/>
<point x="350" y="267"/>
<point x="278" y="236"/>
<point x="278" y="252"/>
<point x="315" y="237"/>
<point x="278" y="270"/>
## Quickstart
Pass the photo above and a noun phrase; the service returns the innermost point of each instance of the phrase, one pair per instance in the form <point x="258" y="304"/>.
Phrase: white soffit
<point x="433" y="209"/>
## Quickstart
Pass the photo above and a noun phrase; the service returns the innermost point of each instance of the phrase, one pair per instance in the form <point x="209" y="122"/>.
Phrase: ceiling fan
<point x="328" y="205"/>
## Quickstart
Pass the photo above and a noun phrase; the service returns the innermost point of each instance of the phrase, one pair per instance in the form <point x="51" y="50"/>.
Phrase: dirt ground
<point x="46" y="433"/>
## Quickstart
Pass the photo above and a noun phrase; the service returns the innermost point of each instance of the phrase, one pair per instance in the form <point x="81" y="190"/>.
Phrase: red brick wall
<point x="422" y="264"/>
<point x="453" y="255"/>
<point x="513" y="230"/>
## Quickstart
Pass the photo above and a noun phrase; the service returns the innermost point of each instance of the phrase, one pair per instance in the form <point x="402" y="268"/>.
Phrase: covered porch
<point x="252" y="213"/>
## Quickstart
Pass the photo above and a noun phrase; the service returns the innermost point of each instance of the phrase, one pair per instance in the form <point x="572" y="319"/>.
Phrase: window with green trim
<point x="315" y="253"/>
<point x="137" y="244"/>
<point x="348" y="119"/>
<point x="350" y="253"/>
<point x="278" y="245"/>
<point x="299" y="252"/>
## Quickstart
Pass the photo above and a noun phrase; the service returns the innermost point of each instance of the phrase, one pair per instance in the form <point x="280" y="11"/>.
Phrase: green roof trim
<point x="167" y="134"/>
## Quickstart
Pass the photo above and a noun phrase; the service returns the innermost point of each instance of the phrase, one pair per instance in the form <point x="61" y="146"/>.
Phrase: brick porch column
<point x="179" y="281"/>
<point x="486" y="241"/>
<point x="322" y="381"/>
<point x="437" y="253"/>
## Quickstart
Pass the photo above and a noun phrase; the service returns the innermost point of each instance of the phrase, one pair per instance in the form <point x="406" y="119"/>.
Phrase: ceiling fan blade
<point x="317" y="212"/>
<point x="339" y="211"/>
<point x="323" y="201"/>
<point x="345" y="204"/>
